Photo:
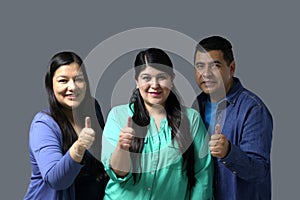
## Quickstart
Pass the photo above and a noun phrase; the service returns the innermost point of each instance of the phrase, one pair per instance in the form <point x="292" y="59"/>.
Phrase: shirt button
<point x="224" y="162"/>
<point x="148" y="188"/>
<point x="234" y="172"/>
<point x="152" y="172"/>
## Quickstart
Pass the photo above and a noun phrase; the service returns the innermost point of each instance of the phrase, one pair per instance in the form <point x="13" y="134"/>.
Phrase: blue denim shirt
<point x="247" y="123"/>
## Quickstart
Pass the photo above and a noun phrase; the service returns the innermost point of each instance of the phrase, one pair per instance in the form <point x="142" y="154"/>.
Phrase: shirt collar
<point x="235" y="91"/>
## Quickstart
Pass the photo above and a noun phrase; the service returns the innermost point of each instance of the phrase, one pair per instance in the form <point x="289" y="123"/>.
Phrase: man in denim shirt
<point x="239" y="123"/>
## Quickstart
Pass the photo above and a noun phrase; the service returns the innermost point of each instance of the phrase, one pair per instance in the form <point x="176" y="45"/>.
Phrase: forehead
<point x="209" y="56"/>
<point x="152" y="71"/>
<point x="68" y="70"/>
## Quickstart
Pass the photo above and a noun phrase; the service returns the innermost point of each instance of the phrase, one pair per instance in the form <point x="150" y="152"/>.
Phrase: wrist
<point x="78" y="151"/>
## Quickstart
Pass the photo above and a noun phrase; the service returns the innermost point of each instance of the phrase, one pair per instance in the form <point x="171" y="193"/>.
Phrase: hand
<point x="87" y="135"/>
<point x="126" y="135"/>
<point x="218" y="144"/>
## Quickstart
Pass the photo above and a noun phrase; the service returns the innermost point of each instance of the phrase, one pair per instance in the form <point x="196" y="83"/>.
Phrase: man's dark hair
<point x="216" y="43"/>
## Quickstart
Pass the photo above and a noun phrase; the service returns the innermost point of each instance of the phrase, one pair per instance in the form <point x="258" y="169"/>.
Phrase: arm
<point x="251" y="159"/>
<point x="115" y="154"/>
<point x="203" y="161"/>
<point x="57" y="170"/>
<point x="120" y="160"/>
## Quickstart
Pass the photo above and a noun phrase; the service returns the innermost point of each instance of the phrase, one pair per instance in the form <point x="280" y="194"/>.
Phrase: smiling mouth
<point x="72" y="96"/>
<point x="208" y="83"/>
<point x="154" y="93"/>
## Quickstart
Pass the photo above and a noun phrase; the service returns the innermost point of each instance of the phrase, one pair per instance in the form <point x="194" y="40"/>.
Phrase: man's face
<point x="213" y="75"/>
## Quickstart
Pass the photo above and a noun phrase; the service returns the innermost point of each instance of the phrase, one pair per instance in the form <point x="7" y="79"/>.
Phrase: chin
<point x="205" y="90"/>
<point x="73" y="105"/>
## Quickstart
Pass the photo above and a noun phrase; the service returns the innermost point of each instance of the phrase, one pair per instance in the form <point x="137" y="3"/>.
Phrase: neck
<point x="69" y="114"/>
<point x="156" y="110"/>
<point x="221" y="94"/>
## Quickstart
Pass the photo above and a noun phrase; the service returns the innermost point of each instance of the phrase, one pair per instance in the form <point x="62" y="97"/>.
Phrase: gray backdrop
<point x="265" y="36"/>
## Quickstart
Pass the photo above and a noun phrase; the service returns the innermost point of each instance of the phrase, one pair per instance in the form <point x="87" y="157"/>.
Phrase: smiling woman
<point x="69" y="85"/>
<point x="148" y="145"/>
<point x="65" y="139"/>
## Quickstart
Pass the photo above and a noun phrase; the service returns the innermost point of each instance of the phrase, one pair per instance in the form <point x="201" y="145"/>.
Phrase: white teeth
<point x="71" y="95"/>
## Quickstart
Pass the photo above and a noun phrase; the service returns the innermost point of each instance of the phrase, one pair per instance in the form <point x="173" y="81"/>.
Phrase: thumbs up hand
<point x="87" y="135"/>
<point x="218" y="144"/>
<point x="126" y="135"/>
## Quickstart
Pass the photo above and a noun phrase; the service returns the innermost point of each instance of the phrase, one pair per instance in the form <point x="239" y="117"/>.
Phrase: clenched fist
<point x="126" y="135"/>
<point x="87" y="135"/>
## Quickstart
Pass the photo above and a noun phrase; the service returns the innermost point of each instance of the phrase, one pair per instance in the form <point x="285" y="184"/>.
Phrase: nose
<point x="206" y="71"/>
<point x="154" y="83"/>
<point x="71" y="85"/>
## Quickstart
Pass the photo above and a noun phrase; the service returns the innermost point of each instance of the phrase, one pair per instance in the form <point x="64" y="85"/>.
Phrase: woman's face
<point x="69" y="85"/>
<point x="154" y="86"/>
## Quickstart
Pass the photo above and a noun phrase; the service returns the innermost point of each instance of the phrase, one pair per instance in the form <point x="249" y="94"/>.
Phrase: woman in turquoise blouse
<point x="154" y="147"/>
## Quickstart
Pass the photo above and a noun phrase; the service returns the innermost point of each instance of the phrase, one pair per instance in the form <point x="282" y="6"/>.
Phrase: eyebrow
<point x="63" y="76"/>
<point x="146" y="74"/>
<point x="215" y="61"/>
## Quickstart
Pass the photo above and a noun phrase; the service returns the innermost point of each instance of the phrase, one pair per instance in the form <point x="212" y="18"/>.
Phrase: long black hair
<point x="87" y="107"/>
<point x="175" y="112"/>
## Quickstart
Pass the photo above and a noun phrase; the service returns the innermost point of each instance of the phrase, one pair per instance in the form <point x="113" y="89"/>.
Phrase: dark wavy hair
<point x="175" y="112"/>
<point x="86" y="108"/>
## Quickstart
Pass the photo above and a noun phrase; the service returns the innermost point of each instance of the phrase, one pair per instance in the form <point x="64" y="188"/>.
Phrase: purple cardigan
<point x="53" y="173"/>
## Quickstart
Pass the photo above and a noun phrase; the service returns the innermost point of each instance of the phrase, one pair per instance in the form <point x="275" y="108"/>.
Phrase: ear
<point x="137" y="84"/>
<point x="173" y="77"/>
<point x="232" y="68"/>
<point x="172" y="81"/>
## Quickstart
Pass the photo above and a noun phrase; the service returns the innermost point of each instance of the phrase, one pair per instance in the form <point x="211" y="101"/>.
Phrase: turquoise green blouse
<point x="163" y="175"/>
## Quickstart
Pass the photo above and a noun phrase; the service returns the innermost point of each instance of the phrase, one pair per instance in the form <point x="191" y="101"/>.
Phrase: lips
<point x="154" y="94"/>
<point x="208" y="83"/>
<point x="72" y="96"/>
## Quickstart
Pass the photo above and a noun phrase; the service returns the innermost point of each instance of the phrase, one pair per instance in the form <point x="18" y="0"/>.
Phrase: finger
<point x="129" y="122"/>
<point x="217" y="129"/>
<point x="215" y="137"/>
<point x="213" y="143"/>
<point x="88" y="123"/>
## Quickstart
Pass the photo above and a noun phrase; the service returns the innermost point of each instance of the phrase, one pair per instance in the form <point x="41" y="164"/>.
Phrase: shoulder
<point x="120" y="110"/>
<point x="44" y="127"/>
<point x="251" y="99"/>
<point x="191" y="112"/>
<point x="245" y="97"/>
<point x="119" y="113"/>
<point x="43" y="116"/>
<point x="44" y="119"/>
<point x="192" y="115"/>
<point x="248" y="104"/>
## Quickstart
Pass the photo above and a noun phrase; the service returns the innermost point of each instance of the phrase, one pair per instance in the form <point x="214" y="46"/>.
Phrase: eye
<point x="62" y="80"/>
<point x="79" y="79"/>
<point x="146" y="78"/>
<point x="215" y="66"/>
<point x="199" y="66"/>
<point x="162" y="77"/>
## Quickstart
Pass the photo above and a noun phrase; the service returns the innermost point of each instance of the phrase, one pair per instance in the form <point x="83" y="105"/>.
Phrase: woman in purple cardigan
<point x="63" y="136"/>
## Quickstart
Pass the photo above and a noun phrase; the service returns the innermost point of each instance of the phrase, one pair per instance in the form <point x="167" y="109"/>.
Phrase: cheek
<point x="57" y="88"/>
<point x="81" y="86"/>
<point x="225" y="76"/>
<point x="197" y="74"/>
<point x="198" y="77"/>
<point x="143" y="86"/>
<point x="166" y="86"/>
